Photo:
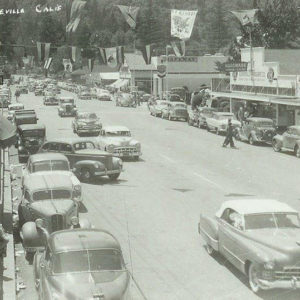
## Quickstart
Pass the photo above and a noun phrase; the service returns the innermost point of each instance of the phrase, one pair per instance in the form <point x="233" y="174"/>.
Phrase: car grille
<point x="181" y="112"/>
<point x="268" y="135"/>
<point x="125" y="150"/>
<point x="57" y="222"/>
<point x="288" y="273"/>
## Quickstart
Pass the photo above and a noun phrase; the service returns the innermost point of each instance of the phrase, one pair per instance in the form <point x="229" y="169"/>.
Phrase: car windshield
<point x="50" y="165"/>
<point x="87" y="261"/>
<point x="265" y="124"/>
<point x="180" y="106"/>
<point x="51" y="194"/>
<point x="118" y="133"/>
<point x="272" y="220"/>
<point x="161" y="103"/>
<point x="33" y="133"/>
<point x="225" y="117"/>
<point x="174" y="98"/>
<point x="83" y="145"/>
<point x="87" y="116"/>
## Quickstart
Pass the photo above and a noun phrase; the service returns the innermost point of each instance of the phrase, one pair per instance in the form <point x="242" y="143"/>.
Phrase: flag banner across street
<point x="246" y="17"/>
<point x="76" y="10"/>
<point x="182" y="23"/>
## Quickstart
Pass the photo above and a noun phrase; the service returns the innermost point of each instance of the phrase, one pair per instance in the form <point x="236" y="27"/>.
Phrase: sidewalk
<point x="8" y="283"/>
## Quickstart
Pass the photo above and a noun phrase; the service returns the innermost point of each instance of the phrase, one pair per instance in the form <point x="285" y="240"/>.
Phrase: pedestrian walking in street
<point x="17" y="94"/>
<point x="229" y="135"/>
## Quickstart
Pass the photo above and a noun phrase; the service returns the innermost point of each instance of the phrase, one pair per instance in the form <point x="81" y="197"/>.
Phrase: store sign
<point x="236" y="67"/>
<point x="183" y="59"/>
<point x="271" y="74"/>
<point x="161" y="71"/>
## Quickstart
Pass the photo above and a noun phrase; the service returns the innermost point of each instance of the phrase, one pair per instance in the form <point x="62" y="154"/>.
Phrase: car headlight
<point x="110" y="148"/>
<point x="269" y="265"/>
<point x="74" y="221"/>
<point x="97" y="166"/>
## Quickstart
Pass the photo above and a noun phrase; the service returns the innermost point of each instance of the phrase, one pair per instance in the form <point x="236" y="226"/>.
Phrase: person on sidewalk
<point x="229" y="135"/>
<point x="3" y="242"/>
<point x="17" y="94"/>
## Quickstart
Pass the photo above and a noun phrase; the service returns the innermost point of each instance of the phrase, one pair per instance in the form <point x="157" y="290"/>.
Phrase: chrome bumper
<point x="91" y="130"/>
<point x="107" y="172"/>
<point x="127" y="154"/>
<point x="279" y="284"/>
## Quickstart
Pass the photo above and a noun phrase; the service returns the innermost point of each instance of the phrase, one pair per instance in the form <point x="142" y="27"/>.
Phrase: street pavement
<point x="154" y="208"/>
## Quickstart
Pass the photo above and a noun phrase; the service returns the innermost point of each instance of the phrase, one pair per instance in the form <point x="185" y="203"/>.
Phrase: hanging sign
<point x="236" y="67"/>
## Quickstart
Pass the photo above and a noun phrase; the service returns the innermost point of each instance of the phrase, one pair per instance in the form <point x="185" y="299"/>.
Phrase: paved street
<point x="154" y="208"/>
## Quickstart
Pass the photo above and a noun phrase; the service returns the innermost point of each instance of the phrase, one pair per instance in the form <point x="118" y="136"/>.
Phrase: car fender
<point x="278" y="138"/>
<point x="90" y="164"/>
<point x="208" y="229"/>
<point x="31" y="236"/>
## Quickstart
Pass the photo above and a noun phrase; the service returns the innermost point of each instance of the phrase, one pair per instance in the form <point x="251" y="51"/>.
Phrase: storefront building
<point x="188" y="71"/>
<point x="270" y="88"/>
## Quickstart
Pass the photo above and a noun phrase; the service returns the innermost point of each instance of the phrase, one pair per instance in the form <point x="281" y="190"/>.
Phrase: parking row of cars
<point x="63" y="247"/>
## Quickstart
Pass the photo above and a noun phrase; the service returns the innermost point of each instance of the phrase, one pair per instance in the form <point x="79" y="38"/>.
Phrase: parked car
<point x="175" y="111"/>
<point x="43" y="163"/>
<point x="48" y="197"/>
<point x="99" y="271"/>
<point x="86" y="123"/>
<point x="118" y="141"/>
<point x="218" y="122"/>
<point x="198" y="117"/>
<point x="157" y="106"/>
<point x="125" y="100"/>
<point x="85" y="95"/>
<point x="260" y="238"/>
<point x="85" y="159"/>
<point x="288" y="141"/>
<point x="39" y="91"/>
<point x="145" y="97"/>
<point x="30" y="138"/>
<point x="103" y="95"/>
<point x="4" y="100"/>
<point x="257" y="130"/>
<point x="25" y="116"/>
<point x="67" y="107"/>
<point x="23" y="89"/>
<point x="50" y="98"/>
<point x="12" y="108"/>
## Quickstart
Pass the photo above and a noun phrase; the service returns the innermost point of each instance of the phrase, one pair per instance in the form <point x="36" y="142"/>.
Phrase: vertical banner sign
<point x="39" y="50"/>
<point x="147" y="53"/>
<point x="182" y="23"/>
<point x="91" y="64"/>
<point x="47" y="50"/>
<point x="74" y="50"/>
<point x="67" y="65"/>
<point x="103" y="55"/>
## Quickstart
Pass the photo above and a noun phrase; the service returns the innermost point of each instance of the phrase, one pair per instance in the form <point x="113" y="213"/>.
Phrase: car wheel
<point x="85" y="175"/>
<point x="251" y="140"/>
<point x="276" y="146"/>
<point x="253" y="278"/>
<point x="297" y="151"/>
<point x="209" y="249"/>
<point x="114" y="176"/>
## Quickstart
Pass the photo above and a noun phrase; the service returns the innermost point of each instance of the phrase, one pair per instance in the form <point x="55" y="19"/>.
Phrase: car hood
<point x="233" y="122"/>
<point x="92" y="152"/>
<point x="52" y="207"/>
<point x="120" y="141"/>
<point x="266" y="128"/>
<point x="286" y="241"/>
<point x="111" y="284"/>
<point x="89" y="121"/>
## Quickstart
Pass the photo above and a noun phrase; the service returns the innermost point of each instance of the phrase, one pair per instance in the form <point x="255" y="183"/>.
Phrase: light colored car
<point x="125" y="100"/>
<point x="175" y="111"/>
<point x="81" y="264"/>
<point x="118" y="141"/>
<point x="103" y="95"/>
<point x="12" y="108"/>
<point x="260" y="237"/>
<point x="218" y="122"/>
<point x="157" y="107"/>
<point x="43" y="163"/>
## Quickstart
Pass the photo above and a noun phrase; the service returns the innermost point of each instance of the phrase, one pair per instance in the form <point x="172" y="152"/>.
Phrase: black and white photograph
<point x="149" y="149"/>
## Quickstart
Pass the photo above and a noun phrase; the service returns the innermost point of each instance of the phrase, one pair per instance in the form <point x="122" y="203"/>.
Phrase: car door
<point x="67" y="150"/>
<point x="228" y="237"/>
<point x="289" y="138"/>
<point x="25" y="206"/>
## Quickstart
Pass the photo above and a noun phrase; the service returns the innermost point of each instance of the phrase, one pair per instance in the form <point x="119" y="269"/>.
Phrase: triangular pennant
<point x="246" y="17"/>
<point x="147" y="53"/>
<point x="76" y="10"/>
<point x="182" y="23"/>
<point x="103" y="55"/>
<point x="175" y="48"/>
<point x="130" y="14"/>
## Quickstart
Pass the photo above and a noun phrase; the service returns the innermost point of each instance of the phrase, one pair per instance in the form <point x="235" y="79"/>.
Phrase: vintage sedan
<point x="156" y="107"/>
<point x="50" y="98"/>
<point x="260" y="237"/>
<point x="118" y="141"/>
<point x="125" y="100"/>
<point x="257" y="130"/>
<point x="39" y="91"/>
<point x="99" y="271"/>
<point x="218" y="122"/>
<point x="85" y="94"/>
<point x="85" y="159"/>
<point x="288" y="141"/>
<point x="30" y="139"/>
<point x="4" y="100"/>
<point x="103" y="95"/>
<point x="175" y="111"/>
<point x="67" y="107"/>
<point x="198" y="117"/>
<point x="12" y="108"/>
<point x="87" y="123"/>
<point x="49" y="197"/>
<point x="43" y="163"/>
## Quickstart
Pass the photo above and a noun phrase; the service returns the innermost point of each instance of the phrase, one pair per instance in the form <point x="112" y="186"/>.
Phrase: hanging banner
<point x="112" y="56"/>
<point x="76" y="11"/>
<point x="39" y="50"/>
<point x="130" y="14"/>
<point x="147" y="53"/>
<point x="91" y="64"/>
<point x="246" y="17"/>
<point x="103" y="55"/>
<point x="182" y="23"/>
<point x="47" y="50"/>
<point x="182" y="45"/>
<point x="67" y="65"/>
<point x="48" y="63"/>
<point x="74" y="50"/>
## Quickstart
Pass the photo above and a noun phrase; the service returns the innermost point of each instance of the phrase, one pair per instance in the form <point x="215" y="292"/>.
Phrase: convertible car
<point x="260" y="237"/>
<point x="157" y="107"/>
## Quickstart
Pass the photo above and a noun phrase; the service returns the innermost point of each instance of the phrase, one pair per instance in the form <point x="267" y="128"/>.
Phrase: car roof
<point x="70" y="140"/>
<point x="115" y="128"/>
<point x="51" y="180"/>
<point x="255" y="206"/>
<point x="295" y="127"/>
<point x="81" y="239"/>
<point x="66" y="98"/>
<point x="219" y="113"/>
<point x="176" y="102"/>
<point x="256" y="119"/>
<point x="31" y="127"/>
<point x="16" y="105"/>
<point x="47" y="156"/>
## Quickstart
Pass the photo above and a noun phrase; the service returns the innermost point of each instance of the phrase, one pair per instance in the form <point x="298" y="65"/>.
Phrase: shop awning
<point x="8" y="133"/>
<point x="262" y="98"/>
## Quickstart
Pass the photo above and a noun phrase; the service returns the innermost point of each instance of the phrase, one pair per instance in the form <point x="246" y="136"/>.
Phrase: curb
<point x="8" y="277"/>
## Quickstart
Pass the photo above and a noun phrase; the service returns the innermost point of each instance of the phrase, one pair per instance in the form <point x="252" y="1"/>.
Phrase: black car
<point x="30" y="138"/>
<point x="25" y="116"/>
